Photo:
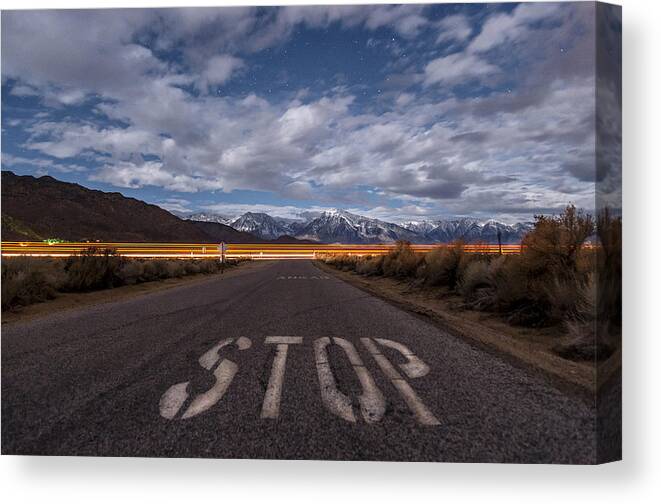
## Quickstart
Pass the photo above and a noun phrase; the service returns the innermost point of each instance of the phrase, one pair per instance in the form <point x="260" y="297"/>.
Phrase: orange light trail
<point x="255" y="251"/>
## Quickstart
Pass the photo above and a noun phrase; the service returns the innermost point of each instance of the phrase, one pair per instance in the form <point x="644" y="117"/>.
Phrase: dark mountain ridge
<point x="42" y="208"/>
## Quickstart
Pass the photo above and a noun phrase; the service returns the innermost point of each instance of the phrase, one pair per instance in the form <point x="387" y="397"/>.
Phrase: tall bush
<point x="401" y="262"/>
<point x="93" y="268"/>
<point x="440" y="267"/>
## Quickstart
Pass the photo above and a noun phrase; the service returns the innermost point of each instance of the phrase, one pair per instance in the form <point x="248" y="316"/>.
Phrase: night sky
<point x="396" y="112"/>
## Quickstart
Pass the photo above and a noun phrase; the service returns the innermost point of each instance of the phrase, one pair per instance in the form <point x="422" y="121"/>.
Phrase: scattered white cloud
<point x="136" y="175"/>
<point x="219" y="70"/>
<point x="175" y="205"/>
<point x="458" y="68"/>
<point x="455" y="28"/>
<point x="501" y="28"/>
<point x="422" y="149"/>
<point x="44" y="165"/>
<point x="283" y="211"/>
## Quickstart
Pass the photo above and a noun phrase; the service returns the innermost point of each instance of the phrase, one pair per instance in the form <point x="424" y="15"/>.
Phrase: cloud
<point x="404" y="99"/>
<point x="24" y="90"/>
<point x="219" y="70"/>
<point x="51" y="96"/>
<point x="208" y="31"/>
<point x="455" y="28"/>
<point x="457" y="68"/>
<point x="44" y="165"/>
<point x="299" y="189"/>
<point x="501" y="28"/>
<point x="430" y="147"/>
<point x="176" y="205"/>
<point x="135" y="175"/>
<point x="76" y="51"/>
<point x="302" y="122"/>
<point x="66" y="140"/>
<point x="406" y="19"/>
<point x="283" y="211"/>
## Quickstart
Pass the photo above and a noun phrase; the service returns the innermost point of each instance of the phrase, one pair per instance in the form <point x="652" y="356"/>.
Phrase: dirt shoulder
<point x="73" y="300"/>
<point x="522" y="346"/>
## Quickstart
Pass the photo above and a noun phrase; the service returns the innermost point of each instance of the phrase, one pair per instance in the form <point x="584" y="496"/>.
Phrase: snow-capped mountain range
<point x="469" y="230"/>
<point x="340" y="226"/>
<point x="208" y="217"/>
<point x="261" y="224"/>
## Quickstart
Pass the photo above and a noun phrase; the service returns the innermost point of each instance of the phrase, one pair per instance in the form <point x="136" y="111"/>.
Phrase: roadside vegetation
<point x="556" y="281"/>
<point x="27" y="280"/>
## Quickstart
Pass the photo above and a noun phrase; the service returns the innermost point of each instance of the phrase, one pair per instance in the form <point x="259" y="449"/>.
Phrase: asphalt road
<point x="145" y="377"/>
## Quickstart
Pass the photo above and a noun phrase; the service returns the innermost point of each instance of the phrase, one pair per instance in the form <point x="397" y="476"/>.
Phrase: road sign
<point x="222" y="248"/>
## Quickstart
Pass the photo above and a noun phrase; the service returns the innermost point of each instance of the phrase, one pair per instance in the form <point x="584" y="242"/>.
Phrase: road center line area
<point x="257" y="366"/>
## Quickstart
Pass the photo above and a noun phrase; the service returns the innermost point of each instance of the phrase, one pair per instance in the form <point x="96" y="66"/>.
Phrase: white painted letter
<point x="271" y="406"/>
<point x="419" y="410"/>
<point x="414" y="368"/>
<point x="175" y="397"/>
<point x="372" y="403"/>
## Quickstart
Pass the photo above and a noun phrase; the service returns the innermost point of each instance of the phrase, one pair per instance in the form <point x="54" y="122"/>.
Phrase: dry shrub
<point x="510" y="293"/>
<point x="567" y="297"/>
<point x="93" y="268"/>
<point x="541" y="285"/>
<point x="475" y="277"/>
<point x="584" y="342"/>
<point x="609" y="268"/>
<point x="402" y="261"/>
<point x="27" y="280"/>
<point x="149" y="271"/>
<point x="345" y="262"/>
<point x="440" y="267"/>
<point x="208" y="266"/>
<point x="370" y="265"/>
<point x="131" y="272"/>
<point x="192" y="268"/>
<point x="587" y="335"/>
<point x="169" y="269"/>
<point x="554" y="245"/>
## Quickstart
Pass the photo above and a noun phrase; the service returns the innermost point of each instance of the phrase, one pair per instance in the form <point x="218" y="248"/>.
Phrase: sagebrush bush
<point x="555" y="279"/>
<point x="557" y="265"/>
<point x="509" y="283"/>
<point x="440" y="267"/>
<point x="609" y="268"/>
<point x="370" y="265"/>
<point x="93" y="269"/>
<point x="191" y="268"/>
<point x="563" y="296"/>
<point x="588" y="335"/>
<point x="131" y="272"/>
<point x="208" y="267"/>
<point x="170" y="269"/>
<point x="345" y="262"/>
<point x="27" y="280"/>
<point x="540" y="286"/>
<point x="474" y="277"/>
<point x="555" y="243"/>
<point x="401" y="262"/>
